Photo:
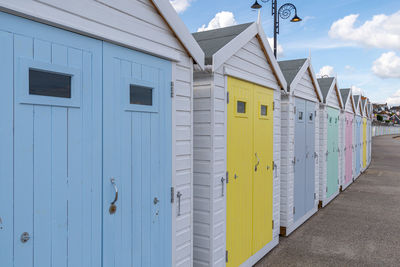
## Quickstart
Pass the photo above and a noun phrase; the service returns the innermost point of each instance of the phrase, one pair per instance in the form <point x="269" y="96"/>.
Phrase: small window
<point x="241" y="107"/>
<point x="311" y="116"/>
<point x="330" y="119"/>
<point x="264" y="110"/>
<point x="49" y="84"/>
<point x="301" y="115"/>
<point x="140" y="95"/>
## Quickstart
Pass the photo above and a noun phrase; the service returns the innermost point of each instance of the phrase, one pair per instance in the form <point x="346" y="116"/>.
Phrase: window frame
<point x="22" y="84"/>
<point x="126" y="89"/>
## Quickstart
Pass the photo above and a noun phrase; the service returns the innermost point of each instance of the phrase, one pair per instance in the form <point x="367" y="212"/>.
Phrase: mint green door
<point x="333" y="148"/>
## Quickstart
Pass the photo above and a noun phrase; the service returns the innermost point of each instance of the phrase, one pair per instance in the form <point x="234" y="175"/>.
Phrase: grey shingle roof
<point x="356" y="99"/>
<point x="363" y="103"/>
<point x="213" y="40"/>
<point x="290" y="68"/>
<point x="345" y="94"/>
<point x="325" y="84"/>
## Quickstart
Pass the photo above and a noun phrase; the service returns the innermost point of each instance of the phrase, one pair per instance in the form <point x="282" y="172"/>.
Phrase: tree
<point x="379" y="117"/>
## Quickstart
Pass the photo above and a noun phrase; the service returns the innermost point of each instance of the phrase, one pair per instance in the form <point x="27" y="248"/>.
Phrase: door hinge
<point x="326" y="189"/>
<point x="172" y="89"/>
<point x="273" y="165"/>
<point x="273" y="105"/>
<point x="315" y="196"/>
<point x="273" y="224"/>
<point x="226" y="256"/>
<point x="172" y="194"/>
<point x="294" y="110"/>
<point x="227" y="97"/>
<point x="227" y="177"/>
<point x="315" y="112"/>
<point x="294" y="210"/>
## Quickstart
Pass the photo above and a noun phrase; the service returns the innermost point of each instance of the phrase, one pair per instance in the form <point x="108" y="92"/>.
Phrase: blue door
<point x="137" y="159"/>
<point x="50" y="188"/>
<point x="300" y="159"/>
<point x="310" y="156"/>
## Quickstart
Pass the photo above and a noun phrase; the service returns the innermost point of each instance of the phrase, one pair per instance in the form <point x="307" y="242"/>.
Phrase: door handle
<point x="258" y="162"/>
<point x="113" y="207"/>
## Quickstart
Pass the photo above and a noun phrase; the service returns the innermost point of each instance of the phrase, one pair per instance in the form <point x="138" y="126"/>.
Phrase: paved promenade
<point x="361" y="227"/>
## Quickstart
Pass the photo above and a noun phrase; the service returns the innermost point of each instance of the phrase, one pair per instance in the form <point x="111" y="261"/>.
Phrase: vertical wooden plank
<point x="59" y="187"/>
<point x="75" y="179"/>
<point x="6" y="151"/>
<point x="59" y="172"/>
<point x="23" y="164"/>
<point x="147" y="198"/>
<point x="124" y="258"/>
<point x="157" y="186"/>
<point x="42" y="186"/>
<point x="137" y="186"/>
<point x="42" y="170"/>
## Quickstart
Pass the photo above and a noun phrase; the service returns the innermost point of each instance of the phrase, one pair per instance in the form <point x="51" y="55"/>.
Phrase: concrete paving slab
<point x="361" y="227"/>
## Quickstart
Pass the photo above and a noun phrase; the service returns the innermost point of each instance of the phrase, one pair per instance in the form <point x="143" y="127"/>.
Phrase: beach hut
<point x="349" y="110"/>
<point x="363" y="133"/>
<point x="369" y="131"/>
<point x="237" y="122"/>
<point x="330" y="134"/>
<point x="96" y="134"/>
<point x="357" y="136"/>
<point x="300" y="144"/>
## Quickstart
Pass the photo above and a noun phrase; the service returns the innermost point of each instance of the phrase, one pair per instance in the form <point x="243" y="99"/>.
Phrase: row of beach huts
<point x="127" y="141"/>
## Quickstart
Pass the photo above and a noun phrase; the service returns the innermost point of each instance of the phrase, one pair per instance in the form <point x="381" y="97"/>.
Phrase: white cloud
<point x="356" y="90"/>
<point x="381" y="31"/>
<point x="279" y="48"/>
<point x="387" y="65"/>
<point x="326" y="70"/>
<point x="349" y="68"/>
<point x="221" y="19"/>
<point x="394" y="100"/>
<point x="180" y="5"/>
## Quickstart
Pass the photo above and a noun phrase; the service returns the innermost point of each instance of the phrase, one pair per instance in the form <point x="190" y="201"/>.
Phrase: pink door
<point x="349" y="151"/>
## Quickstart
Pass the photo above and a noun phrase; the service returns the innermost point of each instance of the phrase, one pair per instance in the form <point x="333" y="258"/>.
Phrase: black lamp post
<point x="284" y="12"/>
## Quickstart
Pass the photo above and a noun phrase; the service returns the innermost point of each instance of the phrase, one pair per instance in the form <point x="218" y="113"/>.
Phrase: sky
<point x="356" y="40"/>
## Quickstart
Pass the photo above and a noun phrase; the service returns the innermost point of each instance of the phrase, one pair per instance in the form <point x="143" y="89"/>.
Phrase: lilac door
<point x="349" y="150"/>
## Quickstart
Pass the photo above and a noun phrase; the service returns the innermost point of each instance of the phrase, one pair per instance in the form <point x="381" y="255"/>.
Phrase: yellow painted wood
<point x="249" y="192"/>
<point x="364" y="142"/>
<point x="263" y="177"/>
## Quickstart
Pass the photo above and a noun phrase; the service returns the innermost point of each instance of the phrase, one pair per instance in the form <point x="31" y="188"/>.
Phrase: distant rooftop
<point x="290" y="68"/>
<point x="212" y="41"/>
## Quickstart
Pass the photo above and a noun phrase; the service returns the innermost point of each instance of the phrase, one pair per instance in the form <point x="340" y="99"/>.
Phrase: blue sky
<point x="357" y="40"/>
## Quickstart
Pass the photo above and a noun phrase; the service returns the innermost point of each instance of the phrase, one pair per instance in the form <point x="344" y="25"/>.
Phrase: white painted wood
<point x="334" y="98"/>
<point x="305" y="82"/>
<point x="135" y="24"/>
<point x="248" y="63"/>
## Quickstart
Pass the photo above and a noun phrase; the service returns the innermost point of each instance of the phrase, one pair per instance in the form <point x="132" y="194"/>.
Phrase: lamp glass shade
<point x="256" y="5"/>
<point x="296" y="19"/>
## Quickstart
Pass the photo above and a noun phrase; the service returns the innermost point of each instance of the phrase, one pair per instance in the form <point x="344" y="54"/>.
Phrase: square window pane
<point x="311" y="116"/>
<point x="140" y="95"/>
<point x="241" y="107"/>
<point x="301" y="115"/>
<point x="49" y="84"/>
<point x="264" y="110"/>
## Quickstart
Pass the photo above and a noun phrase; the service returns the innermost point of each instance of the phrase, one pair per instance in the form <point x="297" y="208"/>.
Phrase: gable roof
<point x="357" y="101"/>
<point x="290" y="68"/>
<point x="345" y="92"/>
<point x="221" y="44"/>
<point x="71" y="16"/>
<point x="212" y="41"/>
<point x="326" y="85"/>
<point x="181" y="31"/>
<point x="293" y="70"/>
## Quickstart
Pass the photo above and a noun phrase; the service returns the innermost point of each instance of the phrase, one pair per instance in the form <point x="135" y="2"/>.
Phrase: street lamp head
<point x="256" y="5"/>
<point x="296" y="19"/>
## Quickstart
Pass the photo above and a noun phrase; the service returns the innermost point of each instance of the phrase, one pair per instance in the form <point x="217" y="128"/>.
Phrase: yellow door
<point x="263" y="175"/>
<point x="249" y="191"/>
<point x="240" y="171"/>
<point x="364" y="142"/>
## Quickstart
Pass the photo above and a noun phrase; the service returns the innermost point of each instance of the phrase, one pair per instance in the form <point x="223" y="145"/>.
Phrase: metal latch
<point x="25" y="237"/>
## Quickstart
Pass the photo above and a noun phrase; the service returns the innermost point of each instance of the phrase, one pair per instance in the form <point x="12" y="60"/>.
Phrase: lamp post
<point x="283" y="12"/>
